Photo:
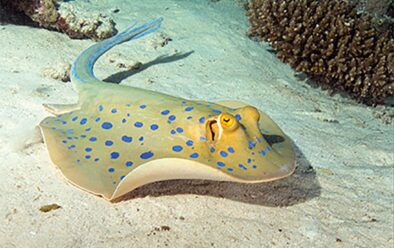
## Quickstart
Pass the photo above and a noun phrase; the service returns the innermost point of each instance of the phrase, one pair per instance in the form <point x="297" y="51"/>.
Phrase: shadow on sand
<point x="118" y="77"/>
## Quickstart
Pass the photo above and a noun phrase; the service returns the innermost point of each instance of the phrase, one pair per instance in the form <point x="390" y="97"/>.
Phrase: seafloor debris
<point x="122" y="62"/>
<point x="160" y="41"/>
<point x="330" y="42"/>
<point x="50" y="207"/>
<point x="385" y="114"/>
<point x="59" y="71"/>
<point x="64" y="17"/>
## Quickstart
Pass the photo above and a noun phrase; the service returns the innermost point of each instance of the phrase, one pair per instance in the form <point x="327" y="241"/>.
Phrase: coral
<point x="64" y="17"/>
<point x="80" y="23"/>
<point x="59" y="71"/>
<point x="330" y="42"/>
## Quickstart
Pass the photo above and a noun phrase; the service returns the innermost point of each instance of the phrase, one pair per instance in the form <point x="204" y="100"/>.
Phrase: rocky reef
<point x="62" y="16"/>
<point x="331" y="42"/>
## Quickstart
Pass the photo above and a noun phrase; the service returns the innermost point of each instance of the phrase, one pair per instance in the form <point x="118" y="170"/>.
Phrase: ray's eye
<point x="227" y="120"/>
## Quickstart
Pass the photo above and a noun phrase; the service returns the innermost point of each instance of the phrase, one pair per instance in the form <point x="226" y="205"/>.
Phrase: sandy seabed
<point x="341" y="194"/>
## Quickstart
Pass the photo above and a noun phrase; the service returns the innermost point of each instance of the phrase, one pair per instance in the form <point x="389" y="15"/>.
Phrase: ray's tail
<point x="82" y="68"/>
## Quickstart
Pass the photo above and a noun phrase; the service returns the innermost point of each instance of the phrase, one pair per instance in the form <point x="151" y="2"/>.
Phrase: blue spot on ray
<point x="74" y="118"/>
<point x="113" y="110"/>
<point x="242" y="166"/>
<point x="106" y="125"/>
<point x="251" y="144"/>
<point x="230" y="150"/>
<point x="127" y="139"/>
<point x="88" y="149"/>
<point x="143" y="106"/>
<point x="100" y="107"/>
<point x="177" y="148"/>
<point x="146" y="155"/>
<point x="223" y="154"/>
<point x="171" y="118"/>
<point x="189" y="109"/>
<point x="114" y="155"/>
<point x="189" y="142"/>
<point x="238" y="117"/>
<point x="179" y="130"/>
<point x="165" y="112"/>
<point x="202" y="120"/>
<point x="221" y="164"/>
<point x="109" y="143"/>
<point x="92" y="139"/>
<point x="138" y="124"/>
<point x="194" y="155"/>
<point x="111" y="170"/>
<point x="129" y="163"/>
<point x="154" y="127"/>
<point x="230" y="169"/>
<point x="216" y="111"/>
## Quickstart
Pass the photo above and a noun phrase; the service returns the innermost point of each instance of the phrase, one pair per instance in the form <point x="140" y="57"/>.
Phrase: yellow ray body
<point x="118" y="138"/>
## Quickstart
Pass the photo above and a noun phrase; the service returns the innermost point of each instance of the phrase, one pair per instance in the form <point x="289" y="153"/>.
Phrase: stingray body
<point x="117" y="138"/>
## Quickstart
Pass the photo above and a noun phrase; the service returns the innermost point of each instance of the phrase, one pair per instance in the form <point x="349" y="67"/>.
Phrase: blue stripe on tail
<point x="82" y="68"/>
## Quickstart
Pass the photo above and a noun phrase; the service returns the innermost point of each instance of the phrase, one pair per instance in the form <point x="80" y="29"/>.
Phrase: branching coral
<point x="330" y="42"/>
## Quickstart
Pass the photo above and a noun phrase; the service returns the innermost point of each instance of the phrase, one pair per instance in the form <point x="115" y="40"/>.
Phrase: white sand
<point x="340" y="196"/>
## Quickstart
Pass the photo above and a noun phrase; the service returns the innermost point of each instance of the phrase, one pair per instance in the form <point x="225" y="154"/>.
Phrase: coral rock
<point x="80" y="24"/>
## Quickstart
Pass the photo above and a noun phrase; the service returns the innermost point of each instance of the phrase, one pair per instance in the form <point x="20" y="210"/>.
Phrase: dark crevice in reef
<point x="10" y="15"/>
<point x="57" y="15"/>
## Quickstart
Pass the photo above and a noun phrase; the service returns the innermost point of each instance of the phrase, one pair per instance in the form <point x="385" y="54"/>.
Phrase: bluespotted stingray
<point x="117" y="138"/>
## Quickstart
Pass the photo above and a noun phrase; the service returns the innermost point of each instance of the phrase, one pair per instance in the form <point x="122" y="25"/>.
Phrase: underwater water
<point x="281" y="163"/>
